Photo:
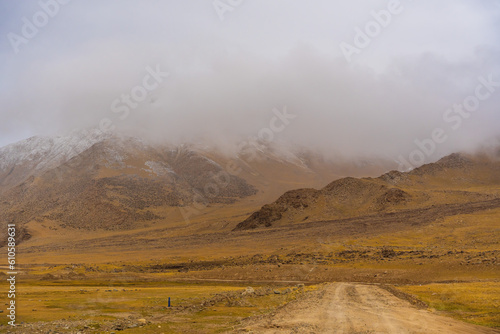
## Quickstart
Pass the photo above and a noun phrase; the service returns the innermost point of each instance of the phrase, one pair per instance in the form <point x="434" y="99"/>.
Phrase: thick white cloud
<point x="227" y="76"/>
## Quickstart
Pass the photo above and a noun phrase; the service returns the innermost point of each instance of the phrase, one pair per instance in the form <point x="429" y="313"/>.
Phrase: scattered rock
<point x="248" y="291"/>
<point x="388" y="252"/>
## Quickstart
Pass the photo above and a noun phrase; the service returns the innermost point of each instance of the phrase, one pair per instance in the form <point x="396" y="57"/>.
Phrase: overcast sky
<point x="230" y="63"/>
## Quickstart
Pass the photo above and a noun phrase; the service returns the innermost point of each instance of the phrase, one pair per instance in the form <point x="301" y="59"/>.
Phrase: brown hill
<point x="115" y="183"/>
<point x="453" y="179"/>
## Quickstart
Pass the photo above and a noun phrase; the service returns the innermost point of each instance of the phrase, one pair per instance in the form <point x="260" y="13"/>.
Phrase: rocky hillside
<point x="430" y="184"/>
<point x="116" y="182"/>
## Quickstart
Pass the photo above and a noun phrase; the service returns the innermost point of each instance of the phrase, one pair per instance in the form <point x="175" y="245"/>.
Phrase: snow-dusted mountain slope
<point x="42" y="152"/>
<point x="38" y="154"/>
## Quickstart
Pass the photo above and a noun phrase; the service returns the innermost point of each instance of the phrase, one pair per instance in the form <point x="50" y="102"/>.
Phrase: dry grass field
<point x="100" y="306"/>
<point x="474" y="302"/>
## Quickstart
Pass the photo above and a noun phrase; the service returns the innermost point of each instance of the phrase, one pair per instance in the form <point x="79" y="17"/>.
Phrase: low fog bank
<point x="305" y="100"/>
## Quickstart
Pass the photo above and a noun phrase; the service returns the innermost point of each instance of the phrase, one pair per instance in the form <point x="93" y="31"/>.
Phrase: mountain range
<point x="95" y="181"/>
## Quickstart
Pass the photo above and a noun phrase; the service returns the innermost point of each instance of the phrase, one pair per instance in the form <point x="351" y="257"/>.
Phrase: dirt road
<point x="344" y="308"/>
